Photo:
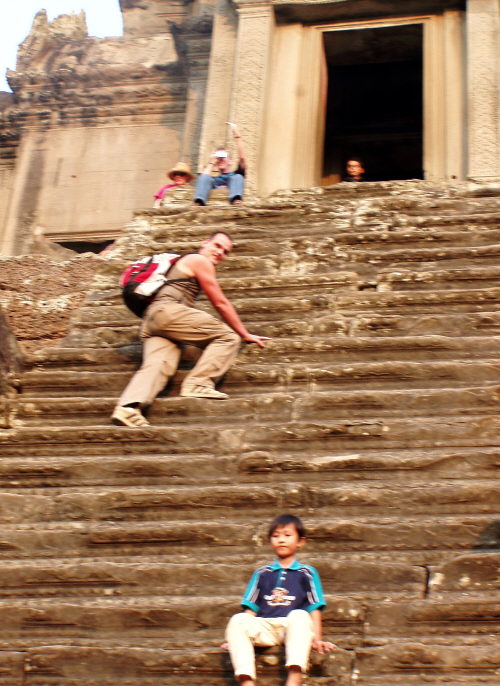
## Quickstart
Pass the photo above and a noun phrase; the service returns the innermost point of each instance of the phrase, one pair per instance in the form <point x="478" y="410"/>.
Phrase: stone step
<point x="286" y="377"/>
<point x="76" y="358"/>
<point x="435" y="302"/>
<point x="405" y="464"/>
<point x="130" y="619"/>
<point x="422" y="536"/>
<point x="118" y="545"/>
<point x="316" y="305"/>
<point x="151" y="664"/>
<point x="438" y="279"/>
<point x="414" y="663"/>
<point x="258" y="552"/>
<point x="401" y="662"/>
<point x="360" y="349"/>
<point x="163" y="503"/>
<point x="474" y="574"/>
<point x="314" y="251"/>
<point x="358" y="375"/>
<point x="354" y="325"/>
<point x="310" y="248"/>
<point x="289" y="212"/>
<point x="466" y="574"/>
<point x="346" y="620"/>
<point x="144" y="663"/>
<point x="63" y="577"/>
<point x="457" y="616"/>
<point x="364" y="260"/>
<point x="421" y="235"/>
<point x="352" y="251"/>
<point x="308" y="315"/>
<point x="427" y="259"/>
<point x="40" y="411"/>
<point x="346" y="279"/>
<point x="319" y="434"/>
<point x="461" y="329"/>
<point x="105" y="327"/>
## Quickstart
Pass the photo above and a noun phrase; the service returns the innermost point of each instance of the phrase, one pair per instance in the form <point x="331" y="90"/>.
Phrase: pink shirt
<point x="159" y="194"/>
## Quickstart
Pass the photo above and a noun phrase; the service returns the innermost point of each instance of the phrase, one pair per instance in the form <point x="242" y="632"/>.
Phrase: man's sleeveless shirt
<point x="185" y="291"/>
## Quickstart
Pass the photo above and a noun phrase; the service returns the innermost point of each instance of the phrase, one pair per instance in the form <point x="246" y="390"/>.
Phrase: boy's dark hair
<point x="353" y="158"/>
<point x="285" y="520"/>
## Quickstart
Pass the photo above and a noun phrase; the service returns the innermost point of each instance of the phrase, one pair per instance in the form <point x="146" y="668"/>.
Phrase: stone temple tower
<point x="93" y="124"/>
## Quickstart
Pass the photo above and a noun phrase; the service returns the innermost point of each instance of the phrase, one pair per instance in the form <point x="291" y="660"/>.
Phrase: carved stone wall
<point x="94" y="124"/>
<point x="253" y="52"/>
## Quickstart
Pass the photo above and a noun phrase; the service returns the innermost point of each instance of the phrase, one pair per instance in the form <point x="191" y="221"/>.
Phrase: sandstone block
<point x="12" y="666"/>
<point x="417" y="663"/>
<point x="467" y="574"/>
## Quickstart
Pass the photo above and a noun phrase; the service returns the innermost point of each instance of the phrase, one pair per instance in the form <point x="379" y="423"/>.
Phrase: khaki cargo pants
<point x="167" y="323"/>
<point x="244" y="631"/>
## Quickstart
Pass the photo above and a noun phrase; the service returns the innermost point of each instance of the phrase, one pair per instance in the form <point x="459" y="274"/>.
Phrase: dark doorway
<point x="374" y="104"/>
<point x="86" y="246"/>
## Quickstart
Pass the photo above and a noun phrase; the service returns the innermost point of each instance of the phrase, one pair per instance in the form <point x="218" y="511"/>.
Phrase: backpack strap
<point x="169" y="281"/>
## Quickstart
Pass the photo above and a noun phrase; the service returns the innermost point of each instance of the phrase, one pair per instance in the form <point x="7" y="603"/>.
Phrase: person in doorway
<point x="218" y="173"/>
<point x="180" y="175"/>
<point x="282" y="604"/>
<point x="172" y="319"/>
<point x="355" y="170"/>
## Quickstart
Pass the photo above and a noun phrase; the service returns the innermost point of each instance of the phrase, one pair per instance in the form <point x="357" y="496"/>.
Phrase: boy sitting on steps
<point x="282" y="604"/>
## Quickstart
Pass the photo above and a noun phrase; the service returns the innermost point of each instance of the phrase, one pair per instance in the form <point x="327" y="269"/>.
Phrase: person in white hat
<point x="219" y="173"/>
<point x="180" y="174"/>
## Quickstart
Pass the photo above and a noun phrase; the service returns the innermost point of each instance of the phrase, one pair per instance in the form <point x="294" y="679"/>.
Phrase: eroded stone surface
<point x="372" y="414"/>
<point x="39" y="294"/>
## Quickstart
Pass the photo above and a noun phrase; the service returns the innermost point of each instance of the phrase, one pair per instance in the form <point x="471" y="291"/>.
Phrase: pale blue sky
<point x="103" y="19"/>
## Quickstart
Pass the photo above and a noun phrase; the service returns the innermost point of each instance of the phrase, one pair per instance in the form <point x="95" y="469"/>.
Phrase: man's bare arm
<point x="242" y="162"/>
<point x="318" y="643"/>
<point x="208" y="169"/>
<point x="204" y="271"/>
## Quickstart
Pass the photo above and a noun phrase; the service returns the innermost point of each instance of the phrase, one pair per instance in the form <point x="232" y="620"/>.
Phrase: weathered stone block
<point x="466" y="574"/>
<point x="12" y="666"/>
<point x="432" y="617"/>
<point x="417" y="663"/>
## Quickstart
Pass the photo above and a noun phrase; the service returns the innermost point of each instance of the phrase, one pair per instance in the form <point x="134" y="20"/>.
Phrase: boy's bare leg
<point x="294" y="676"/>
<point x="245" y="680"/>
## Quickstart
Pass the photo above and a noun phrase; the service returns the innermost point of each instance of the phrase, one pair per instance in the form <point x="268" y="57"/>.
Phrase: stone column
<point x="23" y="204"/>
<point x="215" y="131"/>
<point x="253" y="50"/>
<point x="444" y="109"/>
<point x="194" y="40"/>
<point x="483" y="88"/>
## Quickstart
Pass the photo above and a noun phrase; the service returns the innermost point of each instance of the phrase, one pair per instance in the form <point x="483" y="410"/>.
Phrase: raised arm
<point x="242" y="162"/>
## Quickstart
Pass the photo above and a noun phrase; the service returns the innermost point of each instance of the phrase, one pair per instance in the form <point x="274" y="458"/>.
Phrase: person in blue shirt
<point x="282" y="604"/>
<point x="218" y="173"/>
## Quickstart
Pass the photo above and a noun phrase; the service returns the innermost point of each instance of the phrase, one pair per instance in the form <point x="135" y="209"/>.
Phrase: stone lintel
<point x="308" y="12"/>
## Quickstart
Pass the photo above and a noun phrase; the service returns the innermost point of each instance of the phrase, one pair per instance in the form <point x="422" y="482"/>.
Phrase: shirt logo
<point x="279" y="596"/>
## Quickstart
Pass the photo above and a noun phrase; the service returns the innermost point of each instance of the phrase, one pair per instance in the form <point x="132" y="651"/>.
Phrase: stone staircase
<point x="373" y="414"/>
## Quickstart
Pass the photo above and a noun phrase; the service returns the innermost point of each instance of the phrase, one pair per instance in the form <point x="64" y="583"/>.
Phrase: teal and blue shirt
<point x="274" y="591"/>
